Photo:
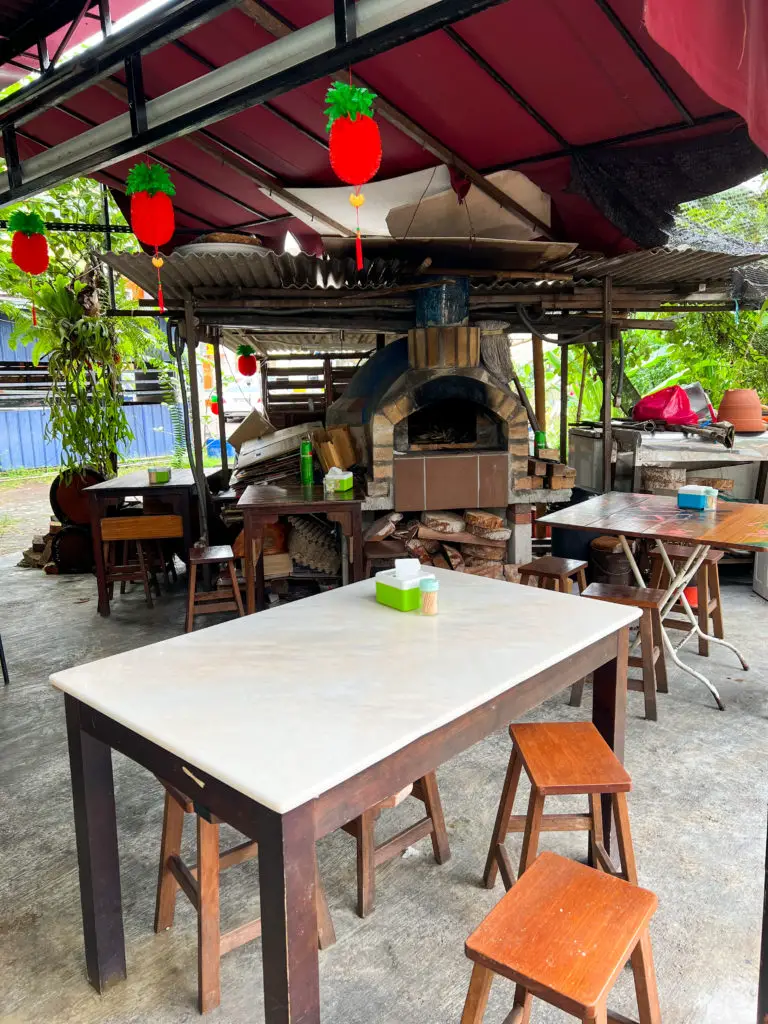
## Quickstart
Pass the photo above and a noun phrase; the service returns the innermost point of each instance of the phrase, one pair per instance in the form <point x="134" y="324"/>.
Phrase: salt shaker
<point x="429" y="587"/>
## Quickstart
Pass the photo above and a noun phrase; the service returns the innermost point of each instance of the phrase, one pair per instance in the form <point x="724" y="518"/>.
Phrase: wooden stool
<point x="370" y="855"/>
<point x="137" y="531"/>
<point x="200" y="885"/>
<point x="561" y="759"/>
<point x="563" y="933"/>
<point x="212" y="602"/>
<point x="709" y="601"/>
<point x="651" y="660"/>
<point x="555" y="573"/>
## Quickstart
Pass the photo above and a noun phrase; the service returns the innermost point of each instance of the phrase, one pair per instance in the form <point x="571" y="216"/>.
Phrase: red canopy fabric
<point x="723" y="45"/>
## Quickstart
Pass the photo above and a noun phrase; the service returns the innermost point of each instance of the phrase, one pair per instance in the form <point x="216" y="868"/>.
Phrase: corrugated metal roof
<point x="187" y="275"/>
<point x="195" y="274"/>
<point x="299" y="342"/>
<point x="662" y="266"/>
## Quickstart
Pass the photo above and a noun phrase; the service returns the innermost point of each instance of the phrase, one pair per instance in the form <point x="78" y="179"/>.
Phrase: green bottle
<point x="307" y="467"/>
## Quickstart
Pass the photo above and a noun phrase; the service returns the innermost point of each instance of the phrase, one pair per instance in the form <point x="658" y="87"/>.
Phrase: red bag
<point x="670" y="404"/>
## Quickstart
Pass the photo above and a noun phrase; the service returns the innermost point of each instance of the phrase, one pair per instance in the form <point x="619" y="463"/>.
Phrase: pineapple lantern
<point x="29" y="247"/>
<point x="354" y="143"/>
<point x="152" y="218"/>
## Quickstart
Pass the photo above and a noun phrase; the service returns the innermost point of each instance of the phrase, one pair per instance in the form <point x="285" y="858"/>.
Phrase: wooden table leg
<point x="250" y="594"/>
<point x="257" y="547"/>
<point x="609" y="712"/>
<point x="93" y="797"/>
<point x="97" y="511"/>
<point x="287" y="882"/>
<point x="356" y="540"/>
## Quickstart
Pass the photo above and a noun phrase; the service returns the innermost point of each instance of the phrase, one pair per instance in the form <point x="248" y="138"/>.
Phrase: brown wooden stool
<point x="555" y="573"/>
<point x="212" y="602"/>
<point x="370" y="856"/>
<point x="200" y="884"/>
<point x="651" y="660"/>
<point x="563" y="934"/>
<point x="561" y="759"/>
<point x="709" y="601"/>
<point x="136" y="531"/>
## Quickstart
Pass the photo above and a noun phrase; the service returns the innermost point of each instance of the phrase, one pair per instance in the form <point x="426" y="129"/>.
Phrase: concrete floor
<point x="698" y="814"/>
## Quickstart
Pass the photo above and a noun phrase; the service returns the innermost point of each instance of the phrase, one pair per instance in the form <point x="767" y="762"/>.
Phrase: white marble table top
<point x="286" y="704"/>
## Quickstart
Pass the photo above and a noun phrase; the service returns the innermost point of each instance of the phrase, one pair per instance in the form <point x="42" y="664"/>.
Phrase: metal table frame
<point x="679" y="580"/>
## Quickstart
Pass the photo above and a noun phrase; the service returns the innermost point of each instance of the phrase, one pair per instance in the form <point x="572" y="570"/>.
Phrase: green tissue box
<point x="402" y="594"/>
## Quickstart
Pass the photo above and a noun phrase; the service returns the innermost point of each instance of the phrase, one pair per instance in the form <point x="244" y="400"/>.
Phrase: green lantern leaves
<point x="149" y="178"/>
<point x="26" y="223"/>
<point x="246" y="350"/>
<point x="346" y="100"/>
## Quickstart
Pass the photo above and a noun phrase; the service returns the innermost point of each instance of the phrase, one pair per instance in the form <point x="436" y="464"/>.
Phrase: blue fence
<point x="22" y="430"/>
<point x="22" y="433"/>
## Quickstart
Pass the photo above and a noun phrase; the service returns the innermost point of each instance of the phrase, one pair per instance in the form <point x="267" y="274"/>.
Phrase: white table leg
<point x="679" y="579"/>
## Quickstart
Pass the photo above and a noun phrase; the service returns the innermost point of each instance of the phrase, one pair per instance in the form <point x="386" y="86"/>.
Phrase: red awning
<point x="723" y="45"/>
<point x="573" y="93"/>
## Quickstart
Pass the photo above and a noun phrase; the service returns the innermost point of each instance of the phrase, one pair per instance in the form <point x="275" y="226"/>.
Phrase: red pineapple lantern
<point x="355" y="143"/>
<point x="213" y="401"/>
<point x="152" y="219"/>
<point x="29" y="247"/>
<point x="246" y="360"/>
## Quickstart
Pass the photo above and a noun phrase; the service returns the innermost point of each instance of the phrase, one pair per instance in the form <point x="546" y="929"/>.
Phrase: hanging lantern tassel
<point x="158" y="261"/>
<point x="29" y="248"/>
<point x="357" y="199"/>
<point x="354" y="144"/>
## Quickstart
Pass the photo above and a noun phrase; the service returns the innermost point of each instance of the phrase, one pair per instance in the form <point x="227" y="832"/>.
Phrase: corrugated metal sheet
<point x="193" y="274"/>
<point x="186" y="275"/>
<point x="651" y="267"/>
<point x="354" y="342"/>
<point x="23" y="444"/>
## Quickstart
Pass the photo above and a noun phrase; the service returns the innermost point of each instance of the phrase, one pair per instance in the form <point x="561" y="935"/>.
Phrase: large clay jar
<point x="741" y="407"/>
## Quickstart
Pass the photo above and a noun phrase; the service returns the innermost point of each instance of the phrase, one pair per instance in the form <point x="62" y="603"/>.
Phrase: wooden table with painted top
<point x="179" y="493"/>
<point x="265" y="503"/>
<point x="328" y="706"/>
<point x="656" y="518"/>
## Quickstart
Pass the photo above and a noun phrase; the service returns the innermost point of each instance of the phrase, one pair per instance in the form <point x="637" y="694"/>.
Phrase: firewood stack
<point x="473" y="542"/>
<point x="546" y="473"/>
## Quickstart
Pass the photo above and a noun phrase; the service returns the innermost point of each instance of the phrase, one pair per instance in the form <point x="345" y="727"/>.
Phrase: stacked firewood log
<point x="473" y="541"/>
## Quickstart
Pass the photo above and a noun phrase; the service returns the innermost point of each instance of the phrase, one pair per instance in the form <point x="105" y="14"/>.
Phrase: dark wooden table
<point x="290" y="750"/>
<point x="180" y="493"/>
<point x="265" y="503"/>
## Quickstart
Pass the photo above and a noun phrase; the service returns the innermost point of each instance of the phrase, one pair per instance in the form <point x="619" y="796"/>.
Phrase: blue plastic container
<point x="213" y="448"/>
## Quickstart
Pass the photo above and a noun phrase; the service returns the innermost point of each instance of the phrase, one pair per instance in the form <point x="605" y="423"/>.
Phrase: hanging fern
<point x="85" y="399"/>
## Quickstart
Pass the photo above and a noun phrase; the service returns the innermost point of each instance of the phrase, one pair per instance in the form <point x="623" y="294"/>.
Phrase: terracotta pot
<point x="741" y="407"/>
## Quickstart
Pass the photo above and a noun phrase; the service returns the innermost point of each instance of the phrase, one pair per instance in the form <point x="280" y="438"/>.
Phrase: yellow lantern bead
<point x="157" y="261"/>
<point x="357" y="198"/>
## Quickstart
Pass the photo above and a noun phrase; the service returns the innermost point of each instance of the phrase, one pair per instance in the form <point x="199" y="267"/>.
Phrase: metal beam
<point x="84" y="5"/>
<point x="137" y="101"/>
<point x="44" y="21"/>
<point x="184" y="47"/>
<point x="243" y="164"/>
<point x="278" y="27"/>
<point x="645" y="60"/>
<point x="270" y="71"/>
<point x="146" y="35"/>
<point x="344" y="18"/>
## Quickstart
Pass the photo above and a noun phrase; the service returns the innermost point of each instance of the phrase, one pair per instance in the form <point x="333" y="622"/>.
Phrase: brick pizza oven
<point x="438" y="429"/>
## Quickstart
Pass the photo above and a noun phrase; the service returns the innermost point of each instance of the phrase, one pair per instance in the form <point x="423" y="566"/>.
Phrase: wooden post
<point x="563" y="403"/>
<point x="220" y="393"/>
<point x="607" y="380"/>
<point x="328" y="382"/>
<point x="539" y="383"/>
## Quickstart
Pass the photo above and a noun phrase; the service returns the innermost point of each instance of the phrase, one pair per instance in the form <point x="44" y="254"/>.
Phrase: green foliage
<point x="346" y="100"/>
<point x="149" y="178"/>
<point x="740" y="213"/>
<point x="27" y="223"/>
<point x="85" y="352"/>
<point x="169" y="384"/>
<point x="85" y="398"/>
